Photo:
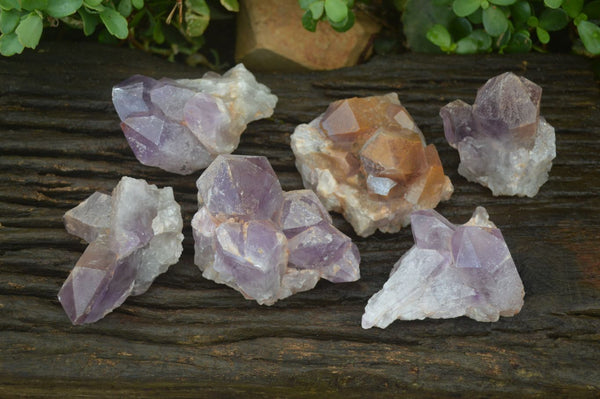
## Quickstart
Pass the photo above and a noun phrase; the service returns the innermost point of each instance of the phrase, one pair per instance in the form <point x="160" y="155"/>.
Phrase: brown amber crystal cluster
<point x="366" y="158"/>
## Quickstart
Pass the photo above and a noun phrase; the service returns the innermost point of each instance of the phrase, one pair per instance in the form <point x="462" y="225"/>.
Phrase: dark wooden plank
<point x="60" y="141"/>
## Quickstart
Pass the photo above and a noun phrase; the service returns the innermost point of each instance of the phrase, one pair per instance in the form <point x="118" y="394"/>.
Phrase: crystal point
<point x="502" y="140"/>
<point x="265" y="243"/>
<point x="451" y="271"/>
<point x="182" y="125"/>
<point x="134" y="236"/>
<point x="366" y="158"/>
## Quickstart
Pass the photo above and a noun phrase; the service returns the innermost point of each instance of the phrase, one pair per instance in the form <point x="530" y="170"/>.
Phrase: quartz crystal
<point x="451" y="271"/>
<point x="502" y="140"/>
<point x="265" y="243"/>
<point x="367" y="159"/>
<point x="182" y="125"/>
<point x="134" y="236"/>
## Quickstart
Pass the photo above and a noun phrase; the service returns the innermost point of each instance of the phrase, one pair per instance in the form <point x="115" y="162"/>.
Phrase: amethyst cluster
<point x="134" y="236"/>
<point x="451" y="271"/>
<point x="502" y="140"/>
<point x="182" y="125"/>
<point x="265" y="243"/>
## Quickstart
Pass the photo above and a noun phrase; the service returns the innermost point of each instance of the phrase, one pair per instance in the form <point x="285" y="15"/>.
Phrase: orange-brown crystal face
<point x="435" y="179"/>
<point x="351" y="122"/>
<point x="396" y="154"/>
<point x="377" y="143"/>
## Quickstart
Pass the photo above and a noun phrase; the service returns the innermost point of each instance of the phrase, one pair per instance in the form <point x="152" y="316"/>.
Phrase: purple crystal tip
<point x="503" y="142"/>
<point x="451" y="271"/>
<point x="264" y="242"/>
<point x="134" y="236"/>
<point x="182" y="125"/>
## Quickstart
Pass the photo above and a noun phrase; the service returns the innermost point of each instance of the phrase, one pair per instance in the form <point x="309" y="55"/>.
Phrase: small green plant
<point x="338" y="12"/>
<point x="512" y="26"/>
<point x="159" y="26"/>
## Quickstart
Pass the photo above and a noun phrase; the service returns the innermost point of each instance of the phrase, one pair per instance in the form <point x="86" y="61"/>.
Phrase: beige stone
<point x="270" y="36"/>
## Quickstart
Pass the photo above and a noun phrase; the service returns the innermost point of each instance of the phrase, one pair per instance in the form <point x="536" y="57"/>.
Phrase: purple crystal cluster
<point x="451" y="271"/>
<point x="502" y="140"/>
<point x="134" y="236"/>
<point x="266" y="243"/>
<point x="182" y="125"/>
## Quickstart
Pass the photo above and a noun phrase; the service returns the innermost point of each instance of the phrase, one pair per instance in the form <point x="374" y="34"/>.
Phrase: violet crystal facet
<point x="502" y="140"/>
<point x="451" y="271"/>
<point x="182" y="125"/>
<point x="264" y="242"/>
<point x="134" y="236"/>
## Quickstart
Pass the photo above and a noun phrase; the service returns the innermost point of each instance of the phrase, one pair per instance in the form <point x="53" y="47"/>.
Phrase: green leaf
<point x="459" y="28"/>
<point x="308" y="22"/>
<point x="543" y="35"/>
<point x="520" y="12"/>
<point x="336" y="10"/>
<point x="31" y="5"/>
<point x="553" y="3"/>
<point x="30" y="30"/>
<point x="11" y="5"/>
<point x="503" y="2"/>
<point x="90" y="21"/>
<point x="92" y="3"/>
<point x="572" y="7"/>
<point x="520" y="43"/>
<point x="494" y="21"/>
<point x="592" y="9"/>
<point x="579" y="18"/>
<point x="553" y="19"/>
<point x="125" y="8"/>
<point x="344" y="25"/>
<point x="231" y="5"/>
<point x="503" y="40"/>
<point x="9" y="20"/>
<point x="317" y="8"/>
<point x="484" y="41"/>
<point x="418" y="17"/>
<point x="115" y="23"/>
<point x="590" y="36"/>
<point x="466" y="45"/>
<point x="138" y="4"/>
<point x="462" y="8"/>
<point x="533" y="21"/>
<point x="439" y="36"/>
<point x="476" y="17"/>
<point x="10" y="45"/>
<point x="157" y="33"/>
<point x="305" y="4"/>
<point x="62" y="8"/>
<point x="197" y="17"/>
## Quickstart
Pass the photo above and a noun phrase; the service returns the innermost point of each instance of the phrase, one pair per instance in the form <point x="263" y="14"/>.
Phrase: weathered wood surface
<point x="60" y="141"/>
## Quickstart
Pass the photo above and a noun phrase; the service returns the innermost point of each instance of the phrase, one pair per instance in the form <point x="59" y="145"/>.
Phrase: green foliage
<point x="159" y="26"/>
<point x="505" y="26"/>
<point x="338" y="13"/>
<point x="420" y="16"/>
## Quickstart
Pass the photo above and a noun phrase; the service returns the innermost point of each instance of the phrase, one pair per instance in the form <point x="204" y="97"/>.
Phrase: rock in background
<point x="270" y="36"/>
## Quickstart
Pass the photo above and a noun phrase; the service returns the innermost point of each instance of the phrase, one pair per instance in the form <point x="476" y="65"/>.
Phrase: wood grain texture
<point x="189" y="337"/>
